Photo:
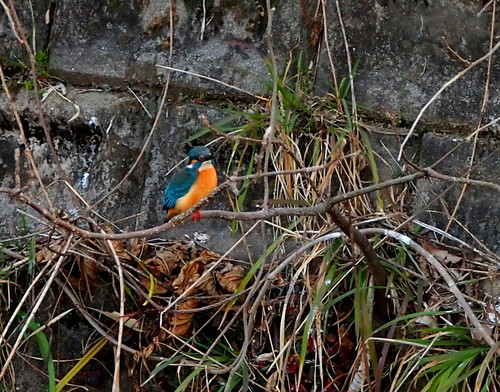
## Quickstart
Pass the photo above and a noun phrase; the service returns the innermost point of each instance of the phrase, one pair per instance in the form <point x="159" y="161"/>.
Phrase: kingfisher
<point x="191" y="184"/>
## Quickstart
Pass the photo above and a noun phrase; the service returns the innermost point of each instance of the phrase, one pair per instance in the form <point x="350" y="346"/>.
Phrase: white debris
<point x="201" y="237"/>
<point x="85" y="181"/>
<point x="93" y="122"/>
<point x="494" y="316"/>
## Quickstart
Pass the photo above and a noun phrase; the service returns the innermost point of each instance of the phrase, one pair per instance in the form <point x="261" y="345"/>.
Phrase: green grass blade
<point x="161" y="366"/>
<point x="31" y="255"/>
<point x="185" y="383"/>
<point x="373" y="165"/>
<point x="44" y="346"/>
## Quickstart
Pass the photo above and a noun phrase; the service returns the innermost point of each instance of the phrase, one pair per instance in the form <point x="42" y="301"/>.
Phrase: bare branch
<point x="227" y="215"/>
<point x="378" y="273"/>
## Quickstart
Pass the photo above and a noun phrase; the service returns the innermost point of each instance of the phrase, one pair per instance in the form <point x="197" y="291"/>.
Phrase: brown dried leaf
<point x="89" y="271"/>
<point x="43" y="254"/>
<point x="117" y="245"/>
<point x="178" y="252"/>
<point x="426" y="321"/>
<point x="129" y="322"/>
<point x="48" y="252"/>
<point x="345" y="340"/>
<point x="232" y="279"/>
<point x="180" y="322"/>
<point x="160" y="267"/>
<point x="77" y="283"/>
<point x="441" y="255"/>
<point x="88" y="276"/>
<point x="207" y="284"/>
<point x="120" y="250"/>
<point x="207" y="256"/>
<point x="445" y="257"/>
<point x="145" y="353"/>
<point x="478" y="336"/>
<point x="189" y="274"/>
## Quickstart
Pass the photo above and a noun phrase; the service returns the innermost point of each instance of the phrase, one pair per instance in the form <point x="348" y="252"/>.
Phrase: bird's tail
<point x="170" y="215"/>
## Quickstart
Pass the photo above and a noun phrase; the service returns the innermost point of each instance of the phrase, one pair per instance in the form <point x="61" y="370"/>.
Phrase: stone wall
<point x="104" y="50"/>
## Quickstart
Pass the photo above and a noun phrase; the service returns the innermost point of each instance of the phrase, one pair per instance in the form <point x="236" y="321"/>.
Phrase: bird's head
<point x="200" y="154"/>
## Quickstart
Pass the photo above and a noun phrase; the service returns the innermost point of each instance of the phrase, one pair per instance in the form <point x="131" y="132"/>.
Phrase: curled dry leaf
<point x="441" y="255"/>
<point x="207" y="256"/>
<point x="345" y="344"/>
<point x="145" y="353"/>
<point x="117" y="245"/>
<point x="426" y="321"/>
<point x="48" y="252"/>
<point x="43" y="254"/>
<point x="130" y="322"/>
<point x="160" y="267"/>
<point x="266" y="357"/>
<point x="88" y="276"/>
<point x="207" y="285"/>
<point x="453" y="263"/>
<point x="181" y="322"/>
<point x="120" y="250"/>
<point x="478" y="336"/>
<point x="175" y="253"/>
<point x="227" y="267"/>
<point x="232" y="279"/>
<point x="272" y="380"/>
<point x="189" y="274"/>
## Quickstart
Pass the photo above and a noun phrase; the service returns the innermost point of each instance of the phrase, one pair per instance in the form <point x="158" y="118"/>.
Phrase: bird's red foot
<point x="196" y="216"/>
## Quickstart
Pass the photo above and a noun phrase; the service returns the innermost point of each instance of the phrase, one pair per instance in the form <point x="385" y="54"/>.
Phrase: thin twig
<point x="462" y="180"/>
<point x="349" y="63"/>
<point x="24" y="140"/>
<point x="212" y="80"/>
<point x="376" y="269"/>
<point x="121" y="321"/>
<point x="329" y="53"/>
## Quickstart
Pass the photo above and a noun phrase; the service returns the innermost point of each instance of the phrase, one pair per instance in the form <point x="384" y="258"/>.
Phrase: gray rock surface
<point x="407" y="50"/>
<point x="477" y="219"/>
<point x="33" y="17"/>
<point x="122" y="43"/>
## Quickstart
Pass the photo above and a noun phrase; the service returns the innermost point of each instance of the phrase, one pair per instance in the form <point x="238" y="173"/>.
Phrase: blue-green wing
<point x="179" y="185"/>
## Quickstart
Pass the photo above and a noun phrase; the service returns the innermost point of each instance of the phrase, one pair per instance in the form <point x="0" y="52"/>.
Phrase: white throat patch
<point x="206" y="165"/>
